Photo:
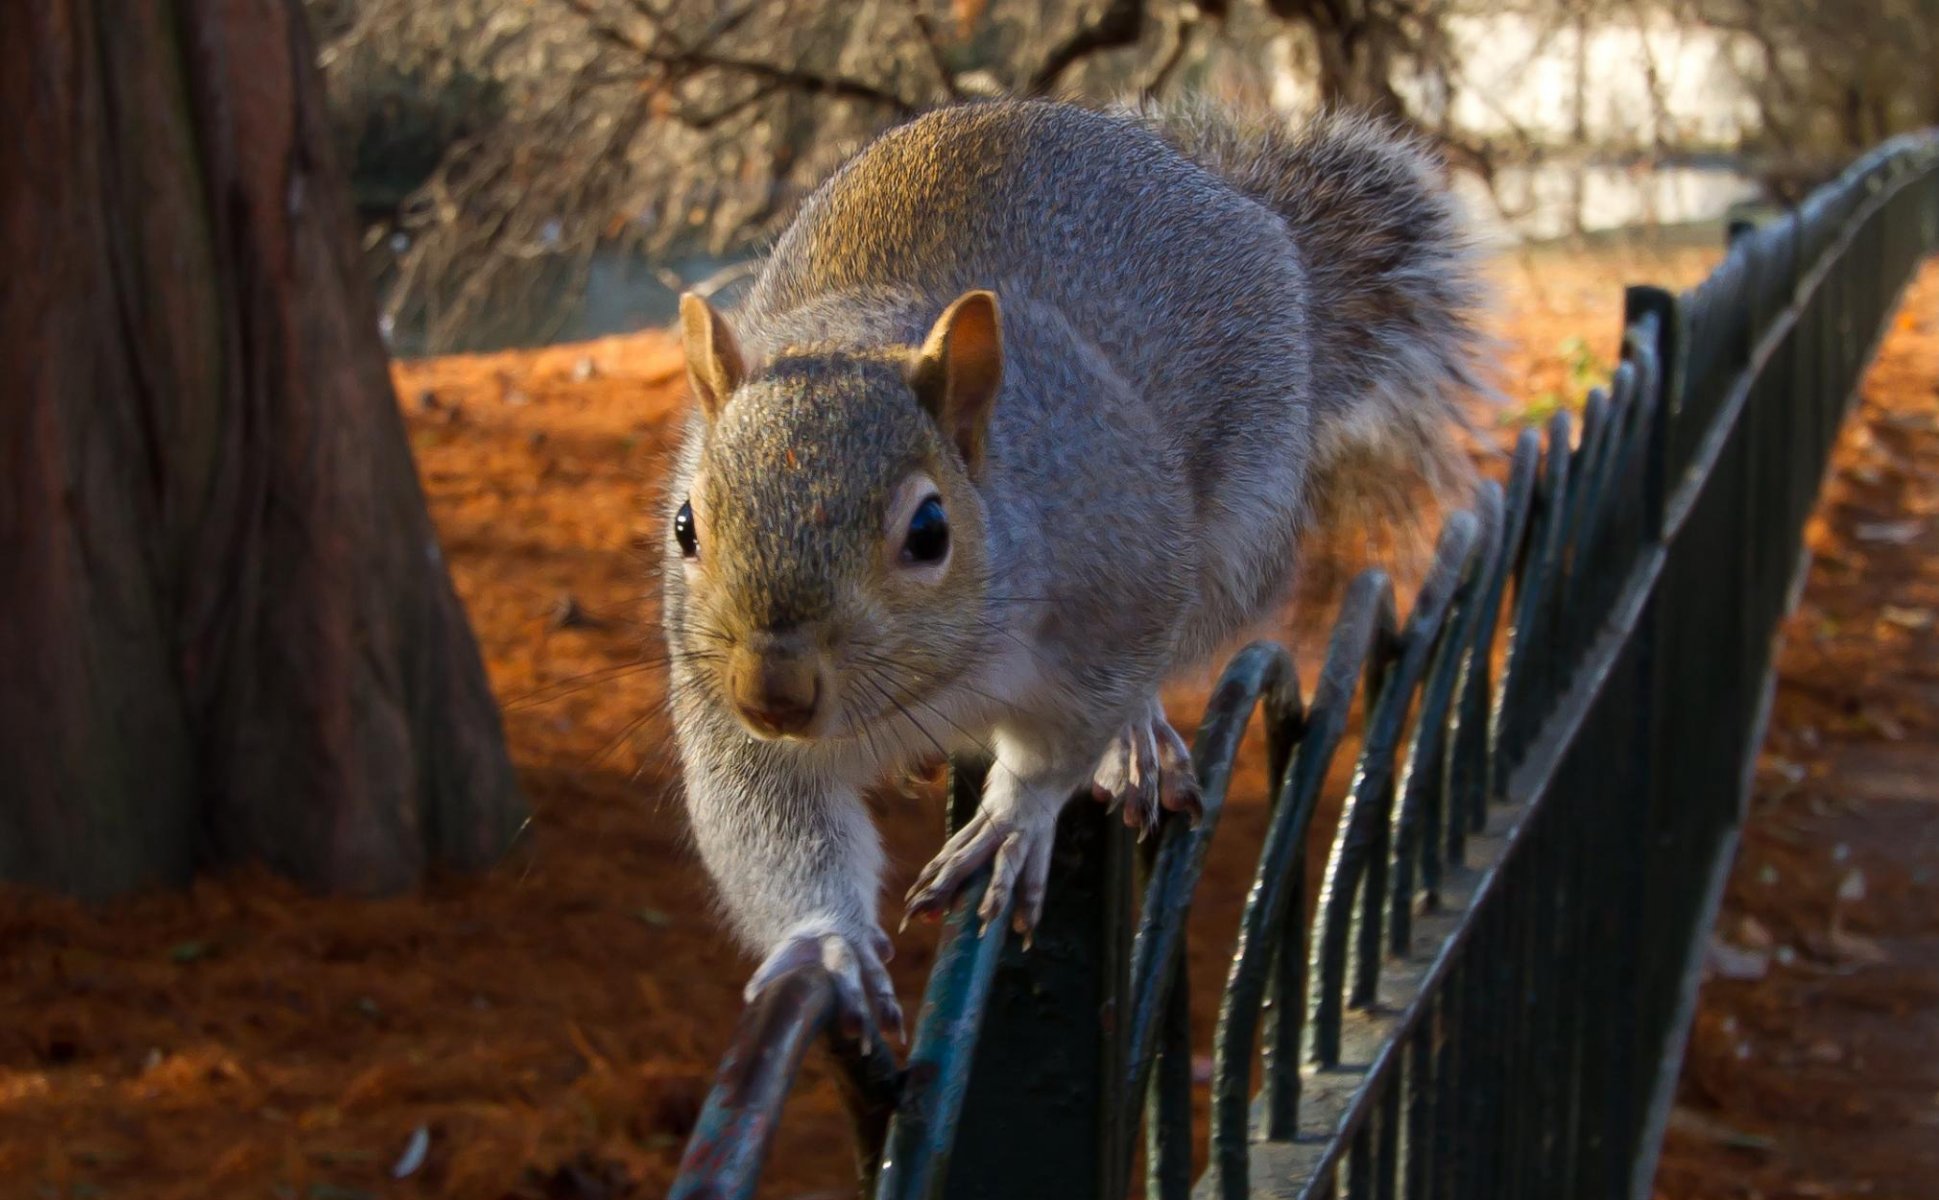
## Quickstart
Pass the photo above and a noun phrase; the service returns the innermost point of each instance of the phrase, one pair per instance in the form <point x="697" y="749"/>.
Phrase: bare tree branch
<point x="925" y="27"/>
<point x="813" y="83"/>
<point x="701" y="121"/>
<point x="1181" y="44"/>
<point x="1120" y="23"/>
<point x="694" y="127"/>
<point x="682" y="61"/>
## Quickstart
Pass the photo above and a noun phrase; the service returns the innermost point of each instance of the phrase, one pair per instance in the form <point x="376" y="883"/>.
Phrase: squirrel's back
<point x="1224" y="262"/>
<point x="1389" y="266"/>
<point x="1036" y="192"/>
<point x="1189" y="288"/>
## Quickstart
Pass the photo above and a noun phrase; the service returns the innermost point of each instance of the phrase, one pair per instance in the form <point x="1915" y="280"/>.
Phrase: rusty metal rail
<point x="1491" y="997"/>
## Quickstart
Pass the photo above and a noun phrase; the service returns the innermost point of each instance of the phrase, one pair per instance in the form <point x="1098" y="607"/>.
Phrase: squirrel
<point x="1025" y="414"/>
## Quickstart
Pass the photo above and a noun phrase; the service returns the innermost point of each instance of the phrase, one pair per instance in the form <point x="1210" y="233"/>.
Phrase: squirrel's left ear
<point x="714" y="365"/>
<point x="956" y="373"/>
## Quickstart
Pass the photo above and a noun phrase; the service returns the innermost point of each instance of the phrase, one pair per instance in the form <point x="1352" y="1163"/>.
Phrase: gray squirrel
<point x="1024" y="415"/>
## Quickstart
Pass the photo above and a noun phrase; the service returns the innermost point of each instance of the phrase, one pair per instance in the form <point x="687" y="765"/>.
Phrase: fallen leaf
<point x="1892" y="533"/>
<point x="1710" y="1127"/>
<point x="1857" y="948"/>
<point x="1754" y="934"/>
<point x="414" y="1154"/>
<point x="1888" y="727"/>
<point x="1908" y="618"/>
<point x="1735" y="962"/>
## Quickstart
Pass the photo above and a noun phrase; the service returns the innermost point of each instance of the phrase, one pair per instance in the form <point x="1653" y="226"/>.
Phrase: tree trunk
<point x="226" y="631"/>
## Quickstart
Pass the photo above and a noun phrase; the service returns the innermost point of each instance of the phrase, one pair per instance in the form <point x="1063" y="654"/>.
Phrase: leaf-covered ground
<point x="1813" y="1068"/>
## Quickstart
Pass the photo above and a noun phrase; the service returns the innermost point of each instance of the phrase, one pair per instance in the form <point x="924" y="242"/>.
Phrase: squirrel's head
<point x="827" y="561"/>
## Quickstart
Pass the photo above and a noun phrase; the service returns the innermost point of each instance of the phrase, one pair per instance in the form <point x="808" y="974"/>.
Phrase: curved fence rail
<point x="1492" y="993"/>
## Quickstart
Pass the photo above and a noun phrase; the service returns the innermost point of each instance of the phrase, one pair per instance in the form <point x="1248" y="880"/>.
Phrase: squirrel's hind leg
<point x="1145" y="768"/>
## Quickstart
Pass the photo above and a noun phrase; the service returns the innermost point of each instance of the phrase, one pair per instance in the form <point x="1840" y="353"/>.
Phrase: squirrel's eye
<point x="683" y="531"/>
<point x="928" y="540"/>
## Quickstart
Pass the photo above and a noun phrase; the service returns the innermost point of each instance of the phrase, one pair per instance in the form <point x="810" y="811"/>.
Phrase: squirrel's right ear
<point x="714" y="365"/>
<point x="958" y="370"/>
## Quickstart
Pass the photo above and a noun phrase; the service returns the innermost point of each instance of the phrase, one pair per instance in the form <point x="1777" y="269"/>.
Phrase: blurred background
<point x="533" y="171"/>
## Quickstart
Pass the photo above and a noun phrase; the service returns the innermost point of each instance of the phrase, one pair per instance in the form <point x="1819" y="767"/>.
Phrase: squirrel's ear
<point x="956" y="373"/>
<point x="714" y="365"/>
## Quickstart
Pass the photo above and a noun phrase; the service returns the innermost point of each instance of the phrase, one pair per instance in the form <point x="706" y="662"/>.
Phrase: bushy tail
<point x="1396" y="299"/>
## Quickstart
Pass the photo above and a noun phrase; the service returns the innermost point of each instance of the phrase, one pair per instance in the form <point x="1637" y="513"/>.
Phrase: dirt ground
<point x="548" y="1029"/>
<point x="1813" y="1067"/>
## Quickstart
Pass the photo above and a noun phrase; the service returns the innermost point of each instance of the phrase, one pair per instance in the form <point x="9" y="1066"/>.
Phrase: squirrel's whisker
<point x="928" y="682"/>
<point x="651" y="711"/>
<point x="561" y="688"/>
<point x="973" y="740"/>
<point x="885" y="695"/>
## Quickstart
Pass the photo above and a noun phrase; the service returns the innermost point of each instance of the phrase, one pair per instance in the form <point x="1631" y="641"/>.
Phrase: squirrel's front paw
<point x="862" y="986"/>
<point x="1145" y="768"/>
<point x="1019" y="852"/>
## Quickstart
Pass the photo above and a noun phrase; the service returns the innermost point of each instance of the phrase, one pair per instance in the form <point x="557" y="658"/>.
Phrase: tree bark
<point x="226" y="631"/>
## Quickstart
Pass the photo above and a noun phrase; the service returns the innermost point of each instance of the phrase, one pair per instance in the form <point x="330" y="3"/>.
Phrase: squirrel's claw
<point x="1145" y="768"/>
<point x="966" y="852"/>
<point x="1178" y="789"/>
<point x="1019" y="860"/>
<point x="1017" y="882"/>
<point x="864" y="994"/>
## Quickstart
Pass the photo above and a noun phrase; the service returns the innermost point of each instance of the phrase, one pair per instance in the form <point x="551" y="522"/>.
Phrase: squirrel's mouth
<point x="779" y="724"/>
<point x="780" y="687"/>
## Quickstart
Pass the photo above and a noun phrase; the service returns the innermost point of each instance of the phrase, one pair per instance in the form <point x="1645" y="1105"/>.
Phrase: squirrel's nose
<point x="775" y="683"/>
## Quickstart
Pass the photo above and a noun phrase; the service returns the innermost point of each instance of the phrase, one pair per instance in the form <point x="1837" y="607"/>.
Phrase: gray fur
<point x="1189" y="339"/>
<point x="1390" y="265"/>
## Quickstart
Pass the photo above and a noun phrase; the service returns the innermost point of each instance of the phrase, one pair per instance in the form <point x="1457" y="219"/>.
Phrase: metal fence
<point x="1492" y="994"/>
